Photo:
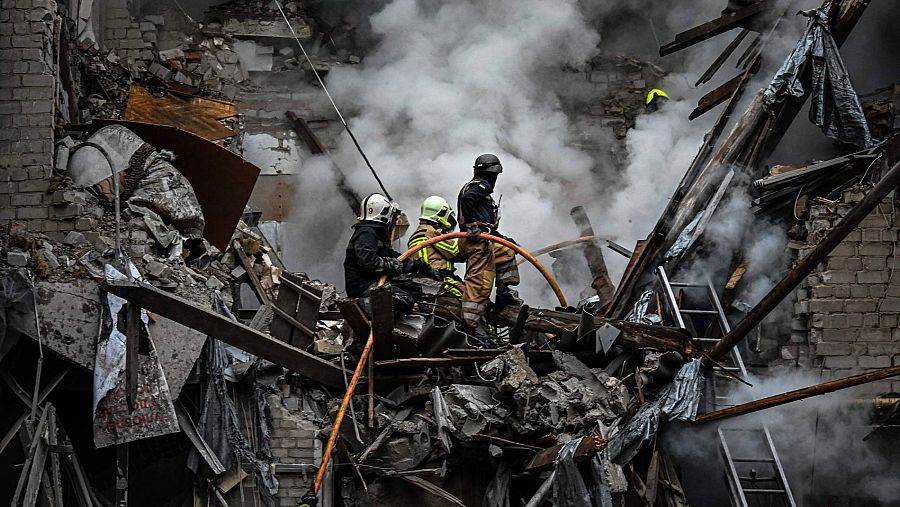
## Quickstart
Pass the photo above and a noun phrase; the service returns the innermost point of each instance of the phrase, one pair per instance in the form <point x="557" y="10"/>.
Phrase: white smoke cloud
<point x="450" y="80"/>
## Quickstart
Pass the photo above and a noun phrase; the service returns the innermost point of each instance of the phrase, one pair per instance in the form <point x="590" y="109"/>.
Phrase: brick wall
<point x="293" y="441"/>
<point x="124" y="34"/>
<point x="26" y="109"/>
<point x="851" y="303"/>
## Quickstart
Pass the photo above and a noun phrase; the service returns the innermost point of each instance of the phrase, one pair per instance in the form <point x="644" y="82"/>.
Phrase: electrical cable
<point x="330" y="99"/>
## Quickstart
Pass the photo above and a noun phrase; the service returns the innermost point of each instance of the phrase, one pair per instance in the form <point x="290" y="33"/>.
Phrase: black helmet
<point x="488" y="163"/>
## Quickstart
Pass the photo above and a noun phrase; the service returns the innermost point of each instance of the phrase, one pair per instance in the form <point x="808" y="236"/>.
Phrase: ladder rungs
<point x="753" y="460"/>
<point x="700" y="312"/>
<point x="764" y="491"/>
<point x="706" y="340"/>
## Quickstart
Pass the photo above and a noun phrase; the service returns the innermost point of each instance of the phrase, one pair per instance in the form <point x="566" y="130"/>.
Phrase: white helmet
<point x="378" y="208"/>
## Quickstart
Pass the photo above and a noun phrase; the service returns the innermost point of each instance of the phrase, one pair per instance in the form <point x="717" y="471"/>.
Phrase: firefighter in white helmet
<point x="369" y="255"/>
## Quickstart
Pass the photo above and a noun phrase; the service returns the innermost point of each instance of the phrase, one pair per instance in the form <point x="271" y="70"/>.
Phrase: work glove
<point x="433" y="273"/>
<point x="473" y="234"/>
<point x="394" y="266"/>
<point x="415" y="266"/>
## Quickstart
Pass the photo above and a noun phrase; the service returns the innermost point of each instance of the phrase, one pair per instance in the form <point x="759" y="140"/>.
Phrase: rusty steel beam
<point x="233" y="333"/>
<point x="800" y="394"/>
<point x="795" y="276"/>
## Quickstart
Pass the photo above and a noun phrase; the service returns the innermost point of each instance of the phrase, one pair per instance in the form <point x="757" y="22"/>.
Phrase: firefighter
<point x="370" y="256"/>
<point x="486" y="262"/>
<point x="436" y="218"/>
<point x="655" y="98"/>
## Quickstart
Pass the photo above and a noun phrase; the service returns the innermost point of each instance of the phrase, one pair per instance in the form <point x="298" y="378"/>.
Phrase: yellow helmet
<point x="436" y="209"/>
<point x="654" y="93"/>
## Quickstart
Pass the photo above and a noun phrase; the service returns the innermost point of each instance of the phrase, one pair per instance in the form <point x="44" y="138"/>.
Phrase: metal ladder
<point x="754" y="481"/>
<point x="707" y="323"/>
<point x="697" y="309"/>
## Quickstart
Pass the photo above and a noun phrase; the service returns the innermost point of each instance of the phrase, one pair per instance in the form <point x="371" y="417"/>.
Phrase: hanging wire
<point x="330" y="99"/>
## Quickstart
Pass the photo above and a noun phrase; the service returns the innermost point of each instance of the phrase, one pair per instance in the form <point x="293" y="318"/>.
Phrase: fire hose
<point x="345" y="403"/>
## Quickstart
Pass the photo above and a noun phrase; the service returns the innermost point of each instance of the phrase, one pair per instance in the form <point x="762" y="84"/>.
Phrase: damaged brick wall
<point x="27" y="86"/>
<point x="293" y="442"/>
<point x="852" y="302"/>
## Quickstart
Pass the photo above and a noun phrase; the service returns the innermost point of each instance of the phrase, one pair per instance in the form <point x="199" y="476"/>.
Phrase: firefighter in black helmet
<point x="486" y="263"/>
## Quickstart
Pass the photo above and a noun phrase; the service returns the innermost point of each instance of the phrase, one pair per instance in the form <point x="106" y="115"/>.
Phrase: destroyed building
<point x="175" y="182"/>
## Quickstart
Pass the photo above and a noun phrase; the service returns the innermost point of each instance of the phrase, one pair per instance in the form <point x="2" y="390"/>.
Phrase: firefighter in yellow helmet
<point x="438" y="218"/>
<point x="655" y="97"/>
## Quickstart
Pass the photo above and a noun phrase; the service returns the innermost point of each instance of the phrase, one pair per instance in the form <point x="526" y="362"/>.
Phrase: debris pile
<point x="152" y="336"/>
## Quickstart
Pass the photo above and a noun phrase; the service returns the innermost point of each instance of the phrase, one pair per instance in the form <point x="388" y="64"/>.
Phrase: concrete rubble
<point x="155" y="348"/>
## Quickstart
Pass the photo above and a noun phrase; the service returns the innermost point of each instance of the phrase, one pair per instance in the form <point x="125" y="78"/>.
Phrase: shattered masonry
<point x="156" y="348"/>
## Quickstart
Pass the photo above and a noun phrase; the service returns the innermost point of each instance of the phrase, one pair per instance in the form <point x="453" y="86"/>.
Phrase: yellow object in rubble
<point x="656" y="92"/>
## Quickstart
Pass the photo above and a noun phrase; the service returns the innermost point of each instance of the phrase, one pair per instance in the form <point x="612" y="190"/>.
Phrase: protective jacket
<point x="440" y="255"/>
<point x="369" y="257"/>
<point x="476" y="205"/>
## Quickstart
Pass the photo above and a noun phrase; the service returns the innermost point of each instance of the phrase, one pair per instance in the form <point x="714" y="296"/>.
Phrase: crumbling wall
<point x="26" y="112"/>
<point x="852" y="302"/>
<point x="295" y="449"/>
<point x="126" y="35"/>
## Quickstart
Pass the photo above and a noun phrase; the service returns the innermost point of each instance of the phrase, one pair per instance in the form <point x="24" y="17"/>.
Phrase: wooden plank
<point x="24" y="476"/>
<point x="354" y="317"/>
<point x="717" y="96"/>
<point x="190" y="430"/>
<point x="632" y="335"/>
<point x="383" y="323"/>
<point x="715" y="27"/>
<point x="196" y="115"/>
<point x="351" y="197"/>
<point x="546" y="458"/>
<point x="230" y="332"/>
<point x="601" y="282"/>
<point x="251" y="274"/>
<point x="14" y="429"/>
<point x="722" y="58"/>
<point x="132" y="343"/>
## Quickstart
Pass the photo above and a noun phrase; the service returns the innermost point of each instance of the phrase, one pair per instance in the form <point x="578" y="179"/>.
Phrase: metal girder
<point x="233" y="333"/>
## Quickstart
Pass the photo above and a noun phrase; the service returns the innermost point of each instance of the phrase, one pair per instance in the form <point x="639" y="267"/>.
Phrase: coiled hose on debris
<point x="336" y="428"/>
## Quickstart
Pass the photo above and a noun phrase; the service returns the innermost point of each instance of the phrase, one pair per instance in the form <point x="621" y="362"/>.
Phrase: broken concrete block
<point x="158" y="269"/>
<point x="84" y="224"/>
<point x="49" y="258"/>
<point x="239" y="274"/>
<point x="354" y="59"/>
<point x="157" y="20"/>
<point x="139" y="236"/>
<point x="67" y="197"/>
<point x="171" y="54"/>
<point x="214" y="283"/>
<point x="17" y="258"/>
<point x="74" y="238"/>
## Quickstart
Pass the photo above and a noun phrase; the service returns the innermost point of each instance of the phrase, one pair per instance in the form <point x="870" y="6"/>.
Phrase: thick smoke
<point x="450" y="80"/>
<point x="819" y="441"/>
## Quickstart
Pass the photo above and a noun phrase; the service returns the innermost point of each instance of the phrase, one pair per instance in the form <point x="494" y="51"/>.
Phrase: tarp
<point x="154" y="413"/>
<point x="568" y="486"/>
<point x="679" y="400"/>
<point x="835" y="107"/>
<point x="219" y="424"/>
